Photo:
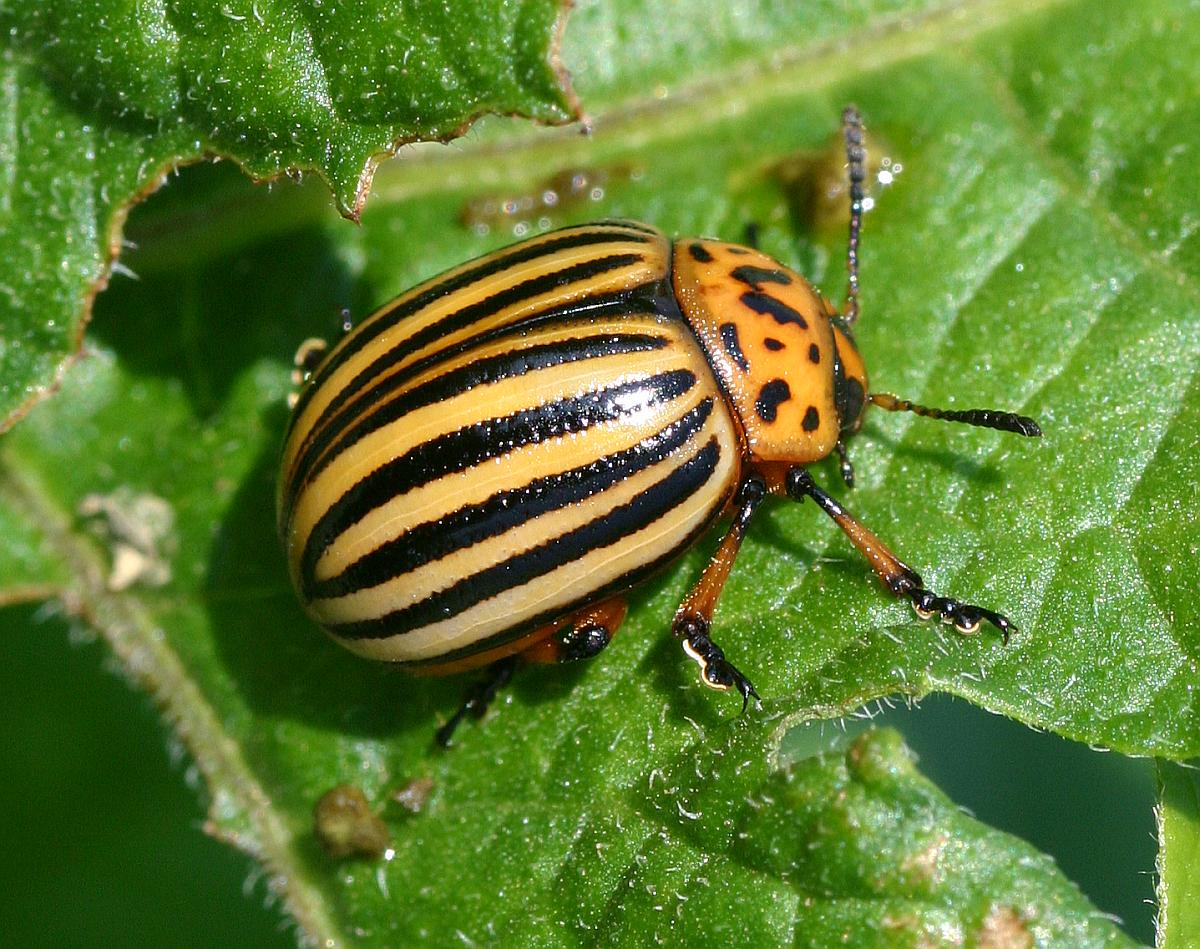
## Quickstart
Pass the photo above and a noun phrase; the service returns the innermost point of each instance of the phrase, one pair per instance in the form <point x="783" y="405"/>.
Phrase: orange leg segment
<point x="896" y="575"/>
<point x="693" y="619"/>
<point x="584" y="637"/>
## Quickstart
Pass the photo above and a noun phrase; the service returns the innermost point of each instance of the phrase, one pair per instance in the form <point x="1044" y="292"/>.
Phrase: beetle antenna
<point x="856" y="157"/>
<point x="983" y="418"/>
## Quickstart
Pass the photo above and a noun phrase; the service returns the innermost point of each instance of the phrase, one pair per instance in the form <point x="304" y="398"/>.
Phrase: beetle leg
<point x="900" y="578"/>
<point x="694" y="616"/>
<point x="585" y="636"/>
<point x="479" y="697"/>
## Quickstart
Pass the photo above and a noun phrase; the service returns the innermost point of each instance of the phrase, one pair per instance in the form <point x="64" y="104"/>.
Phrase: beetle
<point x="480" y="471"/>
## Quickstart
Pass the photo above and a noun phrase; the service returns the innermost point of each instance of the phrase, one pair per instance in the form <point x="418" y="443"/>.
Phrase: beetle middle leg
<point x="896" y="575"/>
<point x="693" y="619"/>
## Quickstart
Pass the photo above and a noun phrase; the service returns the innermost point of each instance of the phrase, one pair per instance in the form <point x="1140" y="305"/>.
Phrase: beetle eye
<point x="850" y="398"/>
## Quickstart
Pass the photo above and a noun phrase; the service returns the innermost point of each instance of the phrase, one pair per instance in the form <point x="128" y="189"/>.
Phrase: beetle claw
<point x="964" y="617"/>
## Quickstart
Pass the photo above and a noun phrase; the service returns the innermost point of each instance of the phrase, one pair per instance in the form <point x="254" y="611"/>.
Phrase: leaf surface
<point x="1036" y="253"/>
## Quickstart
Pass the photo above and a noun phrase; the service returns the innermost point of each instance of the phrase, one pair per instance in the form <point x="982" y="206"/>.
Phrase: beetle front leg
<point x="693" y="619"/>
<point x="900" y="578"/>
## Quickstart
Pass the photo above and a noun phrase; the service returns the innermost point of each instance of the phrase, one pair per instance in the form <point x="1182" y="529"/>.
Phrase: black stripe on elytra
<point x="486" y="439"/>
<point x="626" y="223"/>
<point x="475" y="523"/>
<point x="699" y="253"/>
<point x="480" y="310"/>
<point x="338" y="437"/>
<point x="610" y="528"/>
<point x="770" y="397"/>
<point x="558" y="614"/>
<point x="441" y="286"/>
<point x="621" y="302"/>
<point x="755" y="277"/>
<point x="776" y="309"/>
<point x="733" y="346"/>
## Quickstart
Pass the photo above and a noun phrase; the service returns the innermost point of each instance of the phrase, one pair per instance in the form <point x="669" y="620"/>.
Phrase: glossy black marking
<point x="780" y="312"/>
<point x="613" y="526"/>
<point x="848" y="399"/>
<point x="577" y="643"/>
<point x="773" y="344"/>
<point x="480" y="310"/>
<point x="812" y="419"/>
<point x="644" y="298"/>
<point x="504" y="510"/>
<point x="488" y="438"/>
<point x="336" y="438"/>
<point x="755" y="277"/>
<point x="444" y="285"/>
<point x="740" y="251"/>
<point x="729" y="339"/>
<point x="700" y="254"/>
<point x="814" y="354"/>
<point x="772" y="395"/>
<point x="621" y="584"/>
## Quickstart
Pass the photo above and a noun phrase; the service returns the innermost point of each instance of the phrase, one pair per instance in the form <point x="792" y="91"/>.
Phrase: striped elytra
<point x="480" y="471"/>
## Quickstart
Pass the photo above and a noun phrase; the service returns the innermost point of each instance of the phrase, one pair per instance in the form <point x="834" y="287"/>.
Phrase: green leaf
<point x="99" y="100"/>
<point x="1179" y="855"/>
<point x="1034" y="254"/>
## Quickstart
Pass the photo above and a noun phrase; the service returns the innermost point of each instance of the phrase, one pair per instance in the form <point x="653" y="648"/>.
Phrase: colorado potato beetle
<point x="480" y="471"/>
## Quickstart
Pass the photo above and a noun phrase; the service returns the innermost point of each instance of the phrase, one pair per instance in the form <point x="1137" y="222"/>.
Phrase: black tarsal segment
<point x="779" y="311"/>
<point x="772" y="395"/>
<point x="729" y="339"/>
<point x="756" y="276"/>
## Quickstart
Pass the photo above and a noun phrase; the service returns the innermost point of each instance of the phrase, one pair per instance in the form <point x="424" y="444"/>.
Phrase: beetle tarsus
<point x="964" y="617"/>
<point x="716" y="671"/>
<point x="479" y="697"/>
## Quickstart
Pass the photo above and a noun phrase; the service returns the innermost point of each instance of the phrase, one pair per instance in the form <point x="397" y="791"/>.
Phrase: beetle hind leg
<point x="583" y="636"/>
<point x="479" y="697"/>
<point x="896" y="575"/>
<point x="693" y="619"/>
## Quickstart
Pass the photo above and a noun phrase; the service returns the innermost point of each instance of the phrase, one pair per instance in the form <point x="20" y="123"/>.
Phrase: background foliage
<point x="1037" y="252"/>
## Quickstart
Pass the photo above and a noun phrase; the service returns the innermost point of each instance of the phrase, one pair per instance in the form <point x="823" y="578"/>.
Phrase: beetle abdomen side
<point x="590" y="456"/>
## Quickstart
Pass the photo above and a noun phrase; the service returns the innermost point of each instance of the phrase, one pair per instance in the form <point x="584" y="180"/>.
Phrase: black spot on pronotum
<point x="699" y="254"/>
<point x="779" y="311"/>
<point x="814" y="354"/>
<point x="772" y="395"/>
<point x="729" y="339"/>
<point x="756" y="276"/>
<point x="773" y="344"/>
<point x="812" y="419"/>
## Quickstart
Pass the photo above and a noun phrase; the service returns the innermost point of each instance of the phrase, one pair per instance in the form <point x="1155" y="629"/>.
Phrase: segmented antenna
<point x="983" y="418"/>
<point x="856" y="157"/>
